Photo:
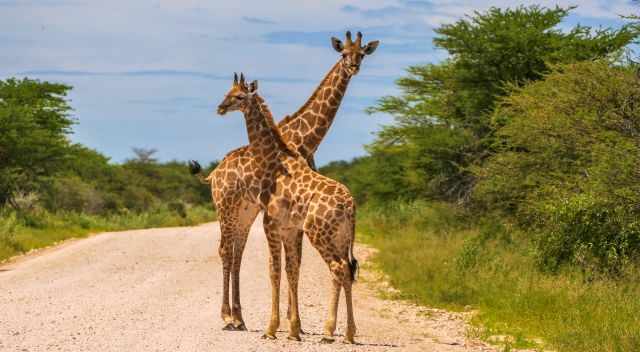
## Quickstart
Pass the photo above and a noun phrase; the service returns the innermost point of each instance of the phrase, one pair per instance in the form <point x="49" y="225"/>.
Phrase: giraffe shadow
<point x="367" y="344"/>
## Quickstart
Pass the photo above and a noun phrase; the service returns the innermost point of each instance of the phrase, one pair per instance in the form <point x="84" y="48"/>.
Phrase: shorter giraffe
<point x="295" y="198"/>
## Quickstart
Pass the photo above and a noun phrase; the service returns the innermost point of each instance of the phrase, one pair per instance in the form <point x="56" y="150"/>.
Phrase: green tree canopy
<point x="568" y="162"/>
<point x="34" y="124"/>
<point x="443" y="115"/>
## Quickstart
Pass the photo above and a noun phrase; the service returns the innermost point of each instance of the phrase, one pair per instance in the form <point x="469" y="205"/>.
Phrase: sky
<point x="149" y="74"/>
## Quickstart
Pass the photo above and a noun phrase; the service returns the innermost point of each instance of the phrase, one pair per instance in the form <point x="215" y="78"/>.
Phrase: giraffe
<point x="303" y="131"/>
<point x="296" y="199"/>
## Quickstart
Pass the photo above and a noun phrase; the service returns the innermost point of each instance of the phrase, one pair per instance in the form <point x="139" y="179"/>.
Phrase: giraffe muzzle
<point x="222" y="110"/>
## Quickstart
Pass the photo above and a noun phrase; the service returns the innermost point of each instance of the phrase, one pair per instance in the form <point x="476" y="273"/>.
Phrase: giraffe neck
<point x="304" y="130"/>
<point x="264" y="136"/>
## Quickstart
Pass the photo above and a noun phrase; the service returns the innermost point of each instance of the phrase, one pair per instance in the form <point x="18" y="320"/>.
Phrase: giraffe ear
<point x="253" y="87"/>
<point x="337" y="44"/>
<point x="371" y="47"/>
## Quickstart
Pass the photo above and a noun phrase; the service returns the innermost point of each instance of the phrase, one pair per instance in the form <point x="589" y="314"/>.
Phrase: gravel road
<point x="159" y="290"/>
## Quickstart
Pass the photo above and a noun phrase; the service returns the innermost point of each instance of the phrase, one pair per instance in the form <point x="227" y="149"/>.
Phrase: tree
<point x="443" y="116"/>
<point x="568" y="163"/>
<point x="144" y="156"/>
<point x="34" y="124"/>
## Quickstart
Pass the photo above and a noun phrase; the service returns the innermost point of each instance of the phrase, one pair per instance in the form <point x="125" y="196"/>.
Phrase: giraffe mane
<point x="313" y="96"/>
<point x="266" y="112"/>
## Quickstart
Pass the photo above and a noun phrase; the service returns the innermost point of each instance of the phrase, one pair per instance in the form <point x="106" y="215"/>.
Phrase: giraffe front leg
<point x="225" y="310"/>
<point x="298" y="247"/>
<point x="236" y="308"/>
<point x="275" y="250"/>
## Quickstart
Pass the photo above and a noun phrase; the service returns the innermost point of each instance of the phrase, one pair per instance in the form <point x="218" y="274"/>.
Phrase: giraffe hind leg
<point x="330" y="323"/>
<point x="325" y="238"/>
<point x="292" y="267"/>
<point x="351" y="325"/>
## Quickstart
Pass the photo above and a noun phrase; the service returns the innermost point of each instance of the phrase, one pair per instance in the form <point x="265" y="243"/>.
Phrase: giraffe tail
<point x="354" y="266"/>
<point x="196" y="170"/>
<point x="353" y="262"/>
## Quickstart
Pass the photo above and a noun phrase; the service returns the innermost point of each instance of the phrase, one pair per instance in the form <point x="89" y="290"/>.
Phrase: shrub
<point x="597" y="234"/>
<point x="178" y="208"/>
<point x="71" y="193"/>
<point x="8" y="242"/>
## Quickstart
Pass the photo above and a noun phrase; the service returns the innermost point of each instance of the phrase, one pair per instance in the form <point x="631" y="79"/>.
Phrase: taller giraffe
<point x="302" y="131"/>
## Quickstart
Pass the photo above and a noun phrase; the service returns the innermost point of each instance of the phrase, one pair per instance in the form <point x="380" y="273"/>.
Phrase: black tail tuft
<point x="194" y="167"/>
<point x="354" y="266"/>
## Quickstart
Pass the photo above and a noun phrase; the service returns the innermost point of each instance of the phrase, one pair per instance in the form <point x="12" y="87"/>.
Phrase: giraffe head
<point x="353" y="51"/>
<point x="239" y="96"/>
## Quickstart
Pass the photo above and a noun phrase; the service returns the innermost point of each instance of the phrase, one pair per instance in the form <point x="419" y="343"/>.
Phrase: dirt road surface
<point x="160" y="289"/>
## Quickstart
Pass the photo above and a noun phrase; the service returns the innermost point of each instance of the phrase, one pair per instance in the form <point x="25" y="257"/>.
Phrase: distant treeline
<point x="41" y="168"/>
<point x="525" y="122"/>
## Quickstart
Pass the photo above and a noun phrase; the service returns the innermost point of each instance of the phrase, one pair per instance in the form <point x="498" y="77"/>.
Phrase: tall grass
<point x="21" y="232"/>
<point x="435" y="255"/>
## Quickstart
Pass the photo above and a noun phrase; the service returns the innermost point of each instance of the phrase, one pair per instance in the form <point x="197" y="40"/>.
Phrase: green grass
<point x="434" y="258"/>
<point x="22" y="232"/>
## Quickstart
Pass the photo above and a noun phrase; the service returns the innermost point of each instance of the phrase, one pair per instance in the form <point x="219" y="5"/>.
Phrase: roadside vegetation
<point x="52" y="189"/>
<point x="509" y="182"/>
<point x="435" y="256"/>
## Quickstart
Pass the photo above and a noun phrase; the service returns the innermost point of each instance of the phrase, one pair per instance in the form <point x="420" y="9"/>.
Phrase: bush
<point x="434" y="256"/>
<point x="178" y="208"/>
<point x="71" y="193"/>
<point x="596" y="234"/>
<point x="8" y="242"/>
<point x="566" y="165"/>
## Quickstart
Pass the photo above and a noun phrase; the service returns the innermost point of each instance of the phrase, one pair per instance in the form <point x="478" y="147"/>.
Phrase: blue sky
<point x="150" y="73"/>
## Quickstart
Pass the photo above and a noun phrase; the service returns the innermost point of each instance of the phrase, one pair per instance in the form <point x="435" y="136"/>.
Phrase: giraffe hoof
<point x="240" y="327"/>
<point x="349" y="341"/>
<point x="294" y="338"/>
<point x="327" y="340"/>
<point x="269" y="337"/>
<point x="229" y="327"/>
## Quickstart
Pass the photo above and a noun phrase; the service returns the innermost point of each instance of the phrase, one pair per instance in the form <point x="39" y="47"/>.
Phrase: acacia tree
<point x="443" y="115"/>
<point x="34" y="124"/>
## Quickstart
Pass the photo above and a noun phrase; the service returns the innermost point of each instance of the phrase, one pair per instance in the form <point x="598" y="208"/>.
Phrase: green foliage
<point x="591" y="232"/>
<point x="443" y="123"/>
<point x="72" y="193"/>
<point x="566" y="162"/>
<point x="59" y="190"/>
<point x="34" y="123"/>
<point x="375" y="180"/>
<point x="39" y="167"/>
<point x="435" y="256"/>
